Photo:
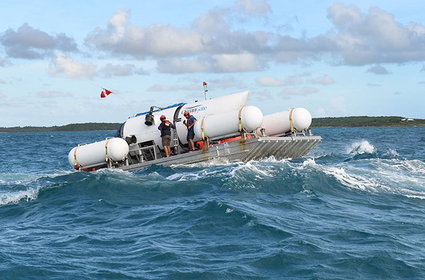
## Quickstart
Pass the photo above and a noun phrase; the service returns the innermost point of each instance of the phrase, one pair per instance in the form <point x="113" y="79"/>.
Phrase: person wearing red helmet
<point x="165" y="128"/>
<point x="190" y="123"/>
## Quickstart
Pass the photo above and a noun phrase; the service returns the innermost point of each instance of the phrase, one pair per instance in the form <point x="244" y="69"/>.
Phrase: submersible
<point x="226" y="129"/>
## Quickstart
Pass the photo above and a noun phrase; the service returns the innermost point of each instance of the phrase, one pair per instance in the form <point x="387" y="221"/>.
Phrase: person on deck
<point x="190" y="123"/>
<point x="165" y="128"/>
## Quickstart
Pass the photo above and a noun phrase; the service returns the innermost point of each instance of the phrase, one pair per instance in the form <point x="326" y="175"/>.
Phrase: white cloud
<point x="242" y="62"/>
<point x="31" y="43"/>
<point x="182" y="65"/>
<point x="121" y="37"/>
<point x="374" y="37"/>
<point x="63" y="65"/>
<point x="110" y="70"/>
<point x="211" y="43"/>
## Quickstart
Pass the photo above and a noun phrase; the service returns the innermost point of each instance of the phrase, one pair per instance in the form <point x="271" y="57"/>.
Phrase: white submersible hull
<point x="226" y="130"/>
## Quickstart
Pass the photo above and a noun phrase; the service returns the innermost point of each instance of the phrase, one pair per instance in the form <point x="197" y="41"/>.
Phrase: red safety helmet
<point x="186" y="113"/>
<point x="162" y="117"/>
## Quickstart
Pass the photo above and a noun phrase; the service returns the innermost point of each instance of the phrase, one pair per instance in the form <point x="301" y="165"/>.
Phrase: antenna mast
<point x="205" y="89"/>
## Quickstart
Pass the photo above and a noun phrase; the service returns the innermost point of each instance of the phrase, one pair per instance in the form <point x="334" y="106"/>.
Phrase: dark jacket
<point x="165" y="127"/>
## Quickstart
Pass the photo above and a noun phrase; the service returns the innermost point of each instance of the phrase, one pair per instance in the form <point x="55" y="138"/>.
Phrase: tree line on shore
<point x="357" y="121"/>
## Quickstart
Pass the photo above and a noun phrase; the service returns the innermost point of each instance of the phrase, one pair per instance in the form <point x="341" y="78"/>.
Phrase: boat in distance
<point x="226" y="130"/>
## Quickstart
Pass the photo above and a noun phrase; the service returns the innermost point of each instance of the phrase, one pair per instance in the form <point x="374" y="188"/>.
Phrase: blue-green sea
<point x="354" y="208"/>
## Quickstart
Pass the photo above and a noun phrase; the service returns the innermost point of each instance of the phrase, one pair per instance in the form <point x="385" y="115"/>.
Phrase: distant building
<point x="407" y="120"/>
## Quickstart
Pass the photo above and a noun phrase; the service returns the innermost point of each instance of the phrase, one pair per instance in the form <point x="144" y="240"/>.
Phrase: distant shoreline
<point x="329" y="122"/>
<point x="365" y="121"/>
<point x="68" y="127"/>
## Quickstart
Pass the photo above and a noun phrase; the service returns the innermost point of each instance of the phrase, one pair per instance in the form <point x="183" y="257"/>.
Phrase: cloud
<point x="31" y="43"/>
<point x="324" y="80"/>
<point x="241" y="62"/>
<point x="182" y="65"/>
<point x="63" y="65"/>
<point x="53" y="94"/>
<point x="374" y="37"/>
<point x="207" y="46"/>
<point x="212" y="43"/>
<point x="254" y="7"/>
<point x="121" y="37"/>
<point x="110" y="70"/>
<point x="299" y="91"/>
<point x="196" y="85"/>
<point x="269" y="82"/>
<point x="225" y="83"/>
<point x="4" y="62"/>
<point x="220" y="63"/>
<point x="379" y="70"/>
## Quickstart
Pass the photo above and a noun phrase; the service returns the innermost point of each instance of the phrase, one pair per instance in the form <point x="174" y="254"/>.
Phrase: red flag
<point x="105" y="93"/>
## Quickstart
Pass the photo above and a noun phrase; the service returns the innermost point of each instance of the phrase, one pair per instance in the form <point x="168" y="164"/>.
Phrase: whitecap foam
<point x="251" y="166"/>
<point x="16" y="197"/>
<point x="309" y="162"/>
<point x="351" y="180"/>
<point x="361" y="147"/>
<point x="416" y="166"/>
<point x="392" y="153"/>
<point x="396" y="176"/>
<point x="194" y="175"/>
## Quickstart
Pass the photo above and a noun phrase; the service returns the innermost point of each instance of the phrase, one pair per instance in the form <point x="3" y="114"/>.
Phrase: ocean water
<point x="354" y="208"/>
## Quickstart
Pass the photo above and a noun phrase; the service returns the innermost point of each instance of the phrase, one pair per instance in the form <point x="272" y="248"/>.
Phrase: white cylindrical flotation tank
<point x="280" y="122"/>
<point x="215" y="126"/>
<point x="97" y="153"/>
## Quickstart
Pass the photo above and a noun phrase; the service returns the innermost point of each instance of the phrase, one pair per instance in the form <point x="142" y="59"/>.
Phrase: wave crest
<point x="361" y="147"/>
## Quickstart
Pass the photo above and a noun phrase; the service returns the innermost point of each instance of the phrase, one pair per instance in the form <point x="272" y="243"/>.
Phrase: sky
<point x="334" y="58"/>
